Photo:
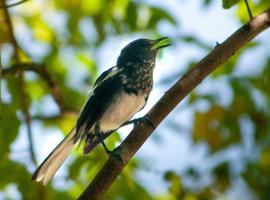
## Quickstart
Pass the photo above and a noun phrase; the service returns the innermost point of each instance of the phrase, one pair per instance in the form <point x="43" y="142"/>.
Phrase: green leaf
<point x="5" y="37"/>
<point x="132" y="15"/>
<point x="256" y="8"/>
<point x="229" y="3"/>
<point x="13" y="172"/>
<point x="157" y="15"/>
<point x="175" y="183"/>
<point x="9" y="128"/>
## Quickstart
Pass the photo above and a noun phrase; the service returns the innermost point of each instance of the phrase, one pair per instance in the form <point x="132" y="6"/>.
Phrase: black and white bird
<point x="118" y="94"/>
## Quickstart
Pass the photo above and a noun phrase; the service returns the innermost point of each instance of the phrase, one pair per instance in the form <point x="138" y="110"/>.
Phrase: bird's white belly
<point x="123" y="108"/>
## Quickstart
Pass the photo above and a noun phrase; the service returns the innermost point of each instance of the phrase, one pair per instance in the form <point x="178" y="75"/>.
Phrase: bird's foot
<point x="98" y="134"/>
<point x="145" y="119"/>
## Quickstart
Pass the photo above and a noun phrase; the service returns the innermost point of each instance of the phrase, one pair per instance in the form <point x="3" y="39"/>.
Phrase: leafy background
<point x="215" y="145"/>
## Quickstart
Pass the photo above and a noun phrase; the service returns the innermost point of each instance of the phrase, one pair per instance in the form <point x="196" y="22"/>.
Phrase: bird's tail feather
<point x="51" y="164"/>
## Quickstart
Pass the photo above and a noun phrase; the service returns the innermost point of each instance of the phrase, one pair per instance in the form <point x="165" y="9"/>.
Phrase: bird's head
<point x="141" y="50"/>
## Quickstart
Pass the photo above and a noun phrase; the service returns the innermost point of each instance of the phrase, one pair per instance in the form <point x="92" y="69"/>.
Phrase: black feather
<point x="103" y="75"/>
<point x="97" y="104"/>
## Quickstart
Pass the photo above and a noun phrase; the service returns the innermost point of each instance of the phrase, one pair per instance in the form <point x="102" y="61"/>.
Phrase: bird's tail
<point x="51" y="164"/>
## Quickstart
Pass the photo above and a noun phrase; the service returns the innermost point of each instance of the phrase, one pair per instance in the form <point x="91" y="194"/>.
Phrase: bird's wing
<point x="105" y="74"/>
<point x="107" y="85"/>
<point x="108" y="73"/>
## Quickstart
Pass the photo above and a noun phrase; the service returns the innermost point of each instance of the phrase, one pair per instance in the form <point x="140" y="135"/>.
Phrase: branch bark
<point x="113" y="167"/>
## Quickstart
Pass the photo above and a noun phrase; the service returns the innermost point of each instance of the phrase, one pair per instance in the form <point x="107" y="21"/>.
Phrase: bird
<point x="117" y="95"/>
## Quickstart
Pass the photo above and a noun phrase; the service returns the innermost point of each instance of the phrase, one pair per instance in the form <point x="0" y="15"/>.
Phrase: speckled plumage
<point x="138" y="78"/>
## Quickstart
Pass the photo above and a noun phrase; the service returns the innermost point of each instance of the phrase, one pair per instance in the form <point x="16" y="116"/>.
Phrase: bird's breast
<point x="138" y="80"/>
<point x="122" y="109"/>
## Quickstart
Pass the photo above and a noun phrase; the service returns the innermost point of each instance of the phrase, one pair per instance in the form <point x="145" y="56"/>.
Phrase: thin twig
<point x="1" y="71"/>
<point x="249" y="10"/>
<point x="13" y="4"/>
<point x="21" y="83"/>
<point x="113" y="167"/>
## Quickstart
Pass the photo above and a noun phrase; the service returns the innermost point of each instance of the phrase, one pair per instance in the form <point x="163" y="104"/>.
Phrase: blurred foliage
<point x="229" y="3"/>
<point x="65" y="36"/>
<point x="255" y="5"/>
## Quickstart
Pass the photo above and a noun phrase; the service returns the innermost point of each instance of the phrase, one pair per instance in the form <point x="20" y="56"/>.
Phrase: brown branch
<point x="13" y="4"/>
<point x="21" y="84"/>
<point x="45" y="75"/>
<point x="113" y="167"/>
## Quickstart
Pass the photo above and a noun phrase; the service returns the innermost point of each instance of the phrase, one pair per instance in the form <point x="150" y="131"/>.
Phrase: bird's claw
<point x="145" y="119"/>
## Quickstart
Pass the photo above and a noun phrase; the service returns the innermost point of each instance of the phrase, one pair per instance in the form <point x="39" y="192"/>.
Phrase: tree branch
<point x="113" y="167"/>
<point x="13" y="4"/>
<point x="21" y="83"/>
<point x="44" y="74"/>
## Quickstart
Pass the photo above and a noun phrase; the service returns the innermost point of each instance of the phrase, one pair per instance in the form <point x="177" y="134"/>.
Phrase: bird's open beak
<point x="161" y="43"/>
